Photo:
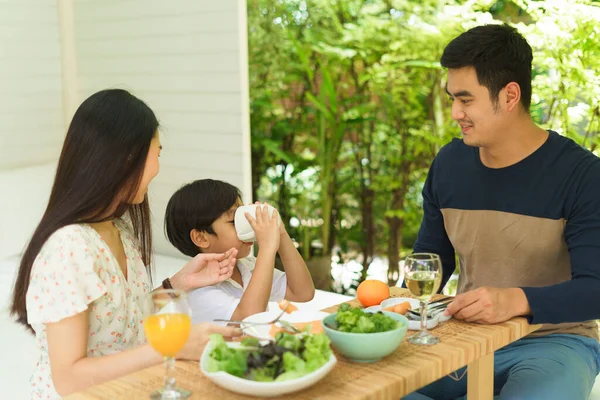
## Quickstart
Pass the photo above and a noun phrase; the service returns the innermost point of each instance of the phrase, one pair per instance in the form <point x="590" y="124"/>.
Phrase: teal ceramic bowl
<point x="365" y="347"/>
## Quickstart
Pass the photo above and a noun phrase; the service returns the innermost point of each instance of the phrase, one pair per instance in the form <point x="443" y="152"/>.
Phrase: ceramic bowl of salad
<point x="268" y="368"/>
<point x="365" y="336"/>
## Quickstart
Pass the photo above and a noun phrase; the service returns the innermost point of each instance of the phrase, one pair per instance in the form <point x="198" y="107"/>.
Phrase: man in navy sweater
<point x="520" y="207"/>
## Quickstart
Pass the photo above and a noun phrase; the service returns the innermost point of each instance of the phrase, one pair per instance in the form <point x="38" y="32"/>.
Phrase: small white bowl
<point x="262" y="332"/>
<point x="413" y="325"/>
<point x="392" y="301"/>
<point x="262" y="389"/>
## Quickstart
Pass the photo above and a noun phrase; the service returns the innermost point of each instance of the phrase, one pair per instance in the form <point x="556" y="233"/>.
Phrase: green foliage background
<point x="348" y="106"/>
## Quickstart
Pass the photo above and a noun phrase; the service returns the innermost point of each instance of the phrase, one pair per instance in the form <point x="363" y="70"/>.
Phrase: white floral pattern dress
<point x="74" y="271"/>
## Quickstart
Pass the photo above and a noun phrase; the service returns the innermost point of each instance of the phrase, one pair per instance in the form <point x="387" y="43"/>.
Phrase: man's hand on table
<point x="489" y="305"/>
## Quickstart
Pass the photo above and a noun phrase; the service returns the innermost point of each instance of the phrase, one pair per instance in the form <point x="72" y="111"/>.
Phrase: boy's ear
<point x="199" y="238"/>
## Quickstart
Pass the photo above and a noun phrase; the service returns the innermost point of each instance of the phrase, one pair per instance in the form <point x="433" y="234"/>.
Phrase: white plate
<point x="262" y="389"/>
<point x="262" y="331"/>
<point x="413" y="325"/>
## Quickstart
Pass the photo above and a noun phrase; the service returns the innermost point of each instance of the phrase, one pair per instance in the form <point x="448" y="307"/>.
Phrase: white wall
<point x="31" y="118"/>
<point x="188" y="60"/>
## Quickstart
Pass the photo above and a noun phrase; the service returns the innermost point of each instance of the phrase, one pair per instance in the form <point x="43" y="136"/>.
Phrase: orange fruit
<point x="372" y="292"/>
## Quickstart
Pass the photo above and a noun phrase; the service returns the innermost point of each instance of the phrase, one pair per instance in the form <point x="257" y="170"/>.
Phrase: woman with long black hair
<point x="85" y="273"/>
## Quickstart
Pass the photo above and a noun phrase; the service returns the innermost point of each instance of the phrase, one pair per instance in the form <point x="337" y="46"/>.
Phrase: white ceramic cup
<point x="242" y="226"/>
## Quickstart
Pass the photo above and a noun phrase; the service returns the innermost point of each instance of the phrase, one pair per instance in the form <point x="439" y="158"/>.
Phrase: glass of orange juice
<point x="167" y="329"/>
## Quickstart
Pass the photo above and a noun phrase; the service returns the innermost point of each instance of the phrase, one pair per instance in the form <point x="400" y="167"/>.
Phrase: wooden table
<point x="409" y="368"/>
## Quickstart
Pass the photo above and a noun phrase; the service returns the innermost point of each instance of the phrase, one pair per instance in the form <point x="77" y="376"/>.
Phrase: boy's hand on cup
<point x="282" y="230"/>
<point x="266" y="228"/>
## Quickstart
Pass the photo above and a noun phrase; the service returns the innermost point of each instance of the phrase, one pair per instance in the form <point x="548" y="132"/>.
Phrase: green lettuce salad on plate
<point x="287" y="357"/>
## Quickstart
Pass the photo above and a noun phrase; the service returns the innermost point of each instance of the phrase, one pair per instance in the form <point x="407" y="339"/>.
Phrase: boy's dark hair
<point x="499" y="54"/>
<point x="196" y="206"/>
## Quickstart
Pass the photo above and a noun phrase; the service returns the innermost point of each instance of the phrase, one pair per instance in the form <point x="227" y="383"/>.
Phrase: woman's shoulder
<point x="72" y="240"/>
<point x="82" y="232"/>
<point x="78" y="233"/>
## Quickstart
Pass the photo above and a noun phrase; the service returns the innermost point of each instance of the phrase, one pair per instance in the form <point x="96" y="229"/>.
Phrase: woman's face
<point x="150" y="170"/>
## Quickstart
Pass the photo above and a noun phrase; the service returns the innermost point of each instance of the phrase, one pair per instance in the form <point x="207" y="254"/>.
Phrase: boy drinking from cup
<point x="200" y="218"/>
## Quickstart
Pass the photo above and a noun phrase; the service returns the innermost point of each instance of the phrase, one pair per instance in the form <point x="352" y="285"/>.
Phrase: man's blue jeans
<point x="553" y="367"/>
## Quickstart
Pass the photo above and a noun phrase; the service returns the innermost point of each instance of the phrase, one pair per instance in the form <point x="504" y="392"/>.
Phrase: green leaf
<point x="303" y="55"/>
<point x="320" y="106"/>
<point x="273" y="147"/>
<point x="330" y="89"/>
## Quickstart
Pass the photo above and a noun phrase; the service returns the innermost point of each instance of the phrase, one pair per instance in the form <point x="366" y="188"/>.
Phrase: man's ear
<point x="512" y="95"/>
<point x="199" y="238"/>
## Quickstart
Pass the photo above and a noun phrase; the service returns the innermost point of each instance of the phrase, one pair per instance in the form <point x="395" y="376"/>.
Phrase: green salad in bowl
<point x="265" y="369"/>
<point x="287" y="357"/>
<point x="356" y="320"/>
<point x="365" y="336"/>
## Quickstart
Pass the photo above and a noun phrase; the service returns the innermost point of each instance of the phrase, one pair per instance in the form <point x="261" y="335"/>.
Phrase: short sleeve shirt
<point x="76" y="271"/>
<point x="221" y="300"/>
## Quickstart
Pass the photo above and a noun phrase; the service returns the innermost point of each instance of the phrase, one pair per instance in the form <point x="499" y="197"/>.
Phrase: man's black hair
<point x="499" y="54"/>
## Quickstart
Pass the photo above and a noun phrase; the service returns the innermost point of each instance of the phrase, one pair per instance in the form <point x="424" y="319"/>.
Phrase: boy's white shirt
<point x="221" y="300"/>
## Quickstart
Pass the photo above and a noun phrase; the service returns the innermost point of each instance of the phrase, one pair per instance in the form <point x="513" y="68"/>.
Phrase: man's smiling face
<point x="481" y="120"/>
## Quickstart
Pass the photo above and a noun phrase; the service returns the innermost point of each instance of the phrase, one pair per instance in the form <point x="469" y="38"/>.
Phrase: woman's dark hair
<point x="98" y="175"/>
<point x="499" y="54"/>
<point x="196" y="206"/>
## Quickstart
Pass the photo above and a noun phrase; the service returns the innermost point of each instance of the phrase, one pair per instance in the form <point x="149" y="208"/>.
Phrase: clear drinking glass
<point x="423" y="276"/>
<point x="167" y="329"/>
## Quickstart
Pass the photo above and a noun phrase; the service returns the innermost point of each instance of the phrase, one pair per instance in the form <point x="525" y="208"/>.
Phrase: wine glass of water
<point x="423" y="276"/>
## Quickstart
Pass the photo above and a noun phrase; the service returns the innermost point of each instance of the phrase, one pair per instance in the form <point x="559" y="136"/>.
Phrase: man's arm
<point x="571" y="301"/>
<point x="578" y="299"/>
<point x="432" y="236"/>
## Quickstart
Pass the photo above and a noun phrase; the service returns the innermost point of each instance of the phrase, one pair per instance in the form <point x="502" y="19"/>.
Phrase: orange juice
<point x="167" y="333"/>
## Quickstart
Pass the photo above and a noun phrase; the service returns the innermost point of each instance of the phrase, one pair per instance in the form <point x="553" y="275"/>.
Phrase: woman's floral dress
<point x="74" y="271"/>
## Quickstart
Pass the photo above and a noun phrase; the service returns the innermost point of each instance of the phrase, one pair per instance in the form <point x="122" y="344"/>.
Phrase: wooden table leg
<point x="480" y="378"/>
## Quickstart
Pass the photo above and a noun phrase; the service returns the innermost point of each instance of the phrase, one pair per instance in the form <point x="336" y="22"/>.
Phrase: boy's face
<point x="226" y="236"/>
